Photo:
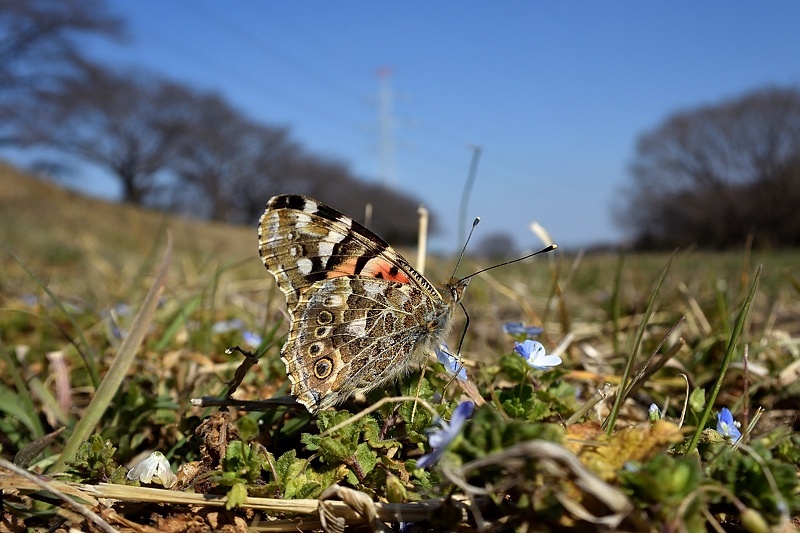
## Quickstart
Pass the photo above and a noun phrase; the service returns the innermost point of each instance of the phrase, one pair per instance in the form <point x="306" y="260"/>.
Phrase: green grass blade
<point x="22" y="399"/>
<point x="119" y="367"/>
<point x="87" y="354"/>
<point x="180" y="319"/>
<point x="729" y="353"/>
<point x="611" y="420"/>
<point x="10" y="405"/>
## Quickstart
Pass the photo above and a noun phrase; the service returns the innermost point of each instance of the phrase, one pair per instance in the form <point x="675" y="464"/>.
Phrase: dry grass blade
<point x="60" y="490"/>
<point x="119" y="367"/>
<point x="560" y="462"/>
<point x="386" y="512"/>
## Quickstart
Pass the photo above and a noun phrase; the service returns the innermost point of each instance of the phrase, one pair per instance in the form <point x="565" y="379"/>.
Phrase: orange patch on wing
<point x="380" y="268"/>
<point x="346" y="268"/>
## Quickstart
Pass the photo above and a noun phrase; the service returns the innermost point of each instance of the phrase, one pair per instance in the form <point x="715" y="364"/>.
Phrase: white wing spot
<point x="358" y="327"/>
<point x="304" y="265"/>
<point x="374" y="288"/>
<point x="326" y="245"/>
<point x="301" y="221"/>
<point x="333" y="300"/>
<point x="310" y="206"/>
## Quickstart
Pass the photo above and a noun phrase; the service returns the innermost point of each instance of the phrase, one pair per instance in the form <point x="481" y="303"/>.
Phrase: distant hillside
<point x="59" y="233"/>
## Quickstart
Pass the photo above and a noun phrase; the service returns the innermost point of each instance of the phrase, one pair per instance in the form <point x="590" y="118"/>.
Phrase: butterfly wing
<point x="359" y="311"/>
<point x="302" y="241"/>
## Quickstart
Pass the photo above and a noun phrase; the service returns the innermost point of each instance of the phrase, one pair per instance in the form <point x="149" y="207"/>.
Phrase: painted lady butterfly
<point x="361" y="315"/>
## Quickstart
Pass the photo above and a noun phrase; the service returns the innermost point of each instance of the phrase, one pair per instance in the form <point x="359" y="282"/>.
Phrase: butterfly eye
<point x="323" y="368"/>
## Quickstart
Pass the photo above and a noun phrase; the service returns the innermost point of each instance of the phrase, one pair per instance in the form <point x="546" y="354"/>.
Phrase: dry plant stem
<point x="422" y="239"/>
<point x="598" y="396"/>
<point x="749" y="428"/>
<point x="376" y="406"/>
<point x="355" y="500"/>
<point x="712" y="521"/>
<point x="405" y="512"/>
<point x="51" y="487"/>
<point x="119" y="367"/>
<point x="560" y="462"/>
<point x="729" y="353"/>
<point x="685" y="400"/>
<point x="248" y="405"/>
<point x="241" y="371"/>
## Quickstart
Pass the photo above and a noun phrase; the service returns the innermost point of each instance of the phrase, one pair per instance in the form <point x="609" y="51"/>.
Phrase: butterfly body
<point x="360" y="314"/>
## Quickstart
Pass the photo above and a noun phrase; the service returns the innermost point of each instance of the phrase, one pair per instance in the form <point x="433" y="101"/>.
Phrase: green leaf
<point x="514" y="366"/>
<point x="366" y="458"/>
<point x="236" y="497"/>
<point x="697" y="400"/>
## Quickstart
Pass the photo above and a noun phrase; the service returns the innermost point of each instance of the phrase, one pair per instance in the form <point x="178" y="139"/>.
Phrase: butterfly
<point x="361" y="316"/>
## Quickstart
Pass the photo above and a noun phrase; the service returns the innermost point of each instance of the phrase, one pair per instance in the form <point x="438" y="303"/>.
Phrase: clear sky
<point x="555" y="93"/>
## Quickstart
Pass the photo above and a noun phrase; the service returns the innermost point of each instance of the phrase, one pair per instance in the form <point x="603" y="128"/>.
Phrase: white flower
<point x="154" y="469"/>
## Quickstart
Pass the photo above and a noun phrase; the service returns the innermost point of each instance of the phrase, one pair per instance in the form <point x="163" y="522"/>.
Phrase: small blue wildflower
<point x="518" y="328"/>
<point x="535" y="355"/>
<point x="226" y="326"/>
<point x="253" y="340"/>
<point x="450" y="362"/>
<point x="727" y="426"/>
<point x="440" y="439"/>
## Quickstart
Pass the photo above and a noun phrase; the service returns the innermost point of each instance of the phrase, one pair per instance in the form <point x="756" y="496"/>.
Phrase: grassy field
<point x="99" y="334"/>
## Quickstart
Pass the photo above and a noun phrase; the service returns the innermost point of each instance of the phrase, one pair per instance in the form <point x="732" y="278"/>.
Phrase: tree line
<point x="718" y="175"/>
<point x="167" y="144"/>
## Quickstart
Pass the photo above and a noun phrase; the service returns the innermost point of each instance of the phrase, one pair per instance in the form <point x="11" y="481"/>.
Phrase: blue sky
<point x="555" y="93"/>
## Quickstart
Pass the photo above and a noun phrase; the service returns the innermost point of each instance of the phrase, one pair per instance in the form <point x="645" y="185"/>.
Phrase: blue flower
<point x="518" y="328"/>
<point x="450" y="362"/>
<point x="251" y="339"/>
<point x="727" y="426"/>
<point x="440" y="439"/>
<point x="226" y="326"/>
<point x="535" y="355"/>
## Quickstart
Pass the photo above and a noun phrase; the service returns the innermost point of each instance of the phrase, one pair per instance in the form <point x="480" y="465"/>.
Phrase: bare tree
<point x="232" y="164"/>
<point x="716" y="174"/>
<point x="37" y="46"/>
<point x="126" y="123"/>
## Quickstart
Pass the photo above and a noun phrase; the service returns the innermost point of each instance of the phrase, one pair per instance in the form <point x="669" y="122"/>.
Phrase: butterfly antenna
<point x="542" y="251"/>
<point x="464" y="249"/>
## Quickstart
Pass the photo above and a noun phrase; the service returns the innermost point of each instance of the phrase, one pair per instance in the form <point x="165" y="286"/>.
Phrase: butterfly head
<point x="455" y="288"/>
